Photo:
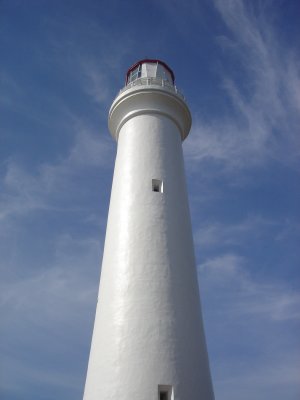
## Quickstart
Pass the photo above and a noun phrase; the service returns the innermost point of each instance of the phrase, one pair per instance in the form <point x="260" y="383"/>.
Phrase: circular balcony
<point x="153" y="81"/>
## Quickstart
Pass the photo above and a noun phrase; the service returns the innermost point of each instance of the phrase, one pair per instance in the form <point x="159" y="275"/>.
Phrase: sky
<point x="61" y="65"/>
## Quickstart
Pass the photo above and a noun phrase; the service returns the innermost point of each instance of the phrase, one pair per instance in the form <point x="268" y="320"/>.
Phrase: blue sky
<point x="238" y="64"/>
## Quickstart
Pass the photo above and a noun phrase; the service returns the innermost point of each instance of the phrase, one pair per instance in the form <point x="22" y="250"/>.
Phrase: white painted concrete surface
<point x="148" y="327"/>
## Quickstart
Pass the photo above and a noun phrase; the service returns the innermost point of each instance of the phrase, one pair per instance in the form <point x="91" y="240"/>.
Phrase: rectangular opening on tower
<point x="157" y="185"/>
<point x="165" y="392"/>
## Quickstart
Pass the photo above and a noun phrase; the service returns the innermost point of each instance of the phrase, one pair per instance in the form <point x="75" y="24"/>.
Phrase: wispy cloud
<point x="50" y="310"/>
<point x="24" y="191"/>
<point x="9" y="88"/>
<point x="278" y="370"/>
<point x="242" y="295"/>
<point x="264" y="122"/>
<point x="95" y="73"/>
<point x="39" y="375"/>
<point x="96" y="83"/>
<point x="57" y="284"/>
<point x="216" y="234"/>
<point x="250" y="322"/>
<point x="219" y="234"/>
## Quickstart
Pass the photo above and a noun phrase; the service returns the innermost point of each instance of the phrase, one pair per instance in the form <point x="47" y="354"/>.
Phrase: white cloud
<point x="250" y="323"/>
<point x="25" y="191"/>
<point x="228" y="265"/>
<point x="89" y="150"/>
<point x="264" y="123"/>
<point x="9" y="89"/>
<point x="279" y="371"/>
<point x="64" y="285"/>
<point x="97" y="83"/>
<point x="242" y="296"/>
<point x="218" y="234"/>
<point x="28" y="372"/>
<point x="47" y="315"/>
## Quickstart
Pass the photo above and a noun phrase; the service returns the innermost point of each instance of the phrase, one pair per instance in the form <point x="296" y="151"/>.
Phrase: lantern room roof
<point x="154" y="61"/>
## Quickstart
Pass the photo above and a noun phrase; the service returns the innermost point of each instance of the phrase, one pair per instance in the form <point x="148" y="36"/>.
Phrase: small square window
<point x="163" y="396"/>
<point x="157" y="185"/>
<point x="165" y="392"/>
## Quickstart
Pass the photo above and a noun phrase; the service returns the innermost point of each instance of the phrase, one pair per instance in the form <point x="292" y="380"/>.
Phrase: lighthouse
<point x="148" y="341"/>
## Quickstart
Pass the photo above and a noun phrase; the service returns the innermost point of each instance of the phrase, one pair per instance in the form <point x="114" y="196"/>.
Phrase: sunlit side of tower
<point x="148" y="340"/>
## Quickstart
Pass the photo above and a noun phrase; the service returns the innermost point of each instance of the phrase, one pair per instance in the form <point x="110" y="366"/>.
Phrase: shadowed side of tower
<point x="148" y="340"/>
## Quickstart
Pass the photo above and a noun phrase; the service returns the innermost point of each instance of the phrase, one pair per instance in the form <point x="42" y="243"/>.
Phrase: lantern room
<point x="150" y="69"/>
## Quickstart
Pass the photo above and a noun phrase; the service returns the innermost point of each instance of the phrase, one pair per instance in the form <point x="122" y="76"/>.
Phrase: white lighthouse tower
<point x="148" y="340"/>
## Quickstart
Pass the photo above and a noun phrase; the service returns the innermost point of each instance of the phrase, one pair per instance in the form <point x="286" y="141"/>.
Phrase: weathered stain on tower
<point x="148" y="340"/>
